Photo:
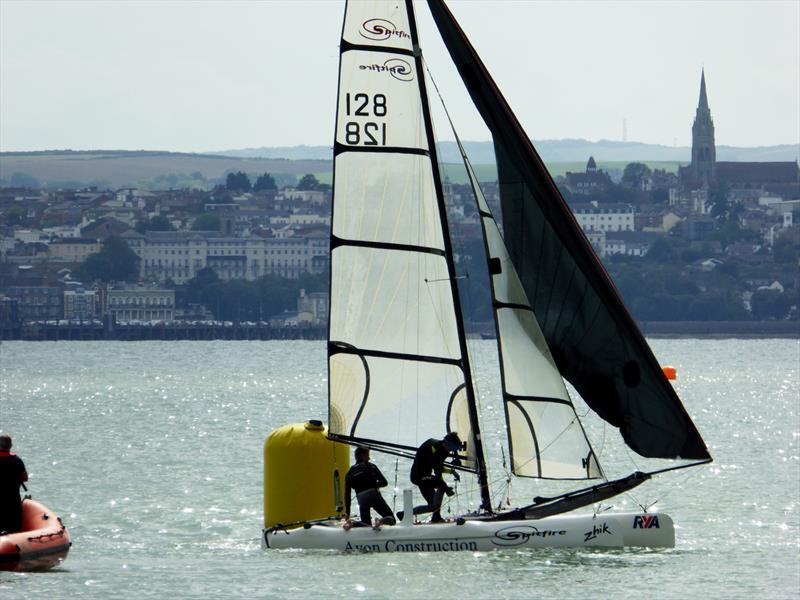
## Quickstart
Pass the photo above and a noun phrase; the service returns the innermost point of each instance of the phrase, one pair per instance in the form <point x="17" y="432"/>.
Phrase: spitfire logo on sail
<point x="396" y="67"/>
<point x="646" y="522"/>
<point x="381" y="30"/>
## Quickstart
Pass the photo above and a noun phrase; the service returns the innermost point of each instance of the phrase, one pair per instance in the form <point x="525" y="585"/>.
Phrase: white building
<point x="604" y="217"/>
<point x="140" y="303"/>
<point x="179" y="255"/>
<point x="310" y="196"/>
<point x="629" y="243"/>
<point x="300" y="219"/>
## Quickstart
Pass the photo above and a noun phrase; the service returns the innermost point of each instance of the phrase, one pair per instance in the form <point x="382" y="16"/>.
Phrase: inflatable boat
<point x="42" y="544"/>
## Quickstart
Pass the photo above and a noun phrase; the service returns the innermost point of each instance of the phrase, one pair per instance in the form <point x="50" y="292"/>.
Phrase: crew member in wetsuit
<point x="364" y="478"/>
<point x="12" y="475"/>
<point x="426" y="473"/>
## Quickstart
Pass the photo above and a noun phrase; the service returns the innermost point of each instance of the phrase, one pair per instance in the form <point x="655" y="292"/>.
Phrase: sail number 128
<point x="369" y="133"/>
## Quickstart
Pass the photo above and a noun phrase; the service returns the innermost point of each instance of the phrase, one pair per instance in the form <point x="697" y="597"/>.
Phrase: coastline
<point x="721" y="329"/>
<point x="193" y="332"/>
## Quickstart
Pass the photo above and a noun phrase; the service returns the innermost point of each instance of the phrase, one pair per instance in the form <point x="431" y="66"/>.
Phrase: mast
<point x="483" y="479"/>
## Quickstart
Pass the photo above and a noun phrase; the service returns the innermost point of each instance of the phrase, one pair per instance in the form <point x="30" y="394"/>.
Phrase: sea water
<point x="151" y="452"/>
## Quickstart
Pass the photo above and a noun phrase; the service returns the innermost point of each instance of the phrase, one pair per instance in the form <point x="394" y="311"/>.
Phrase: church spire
<point x="703" y="103"/>
<point x="704" y="152"/>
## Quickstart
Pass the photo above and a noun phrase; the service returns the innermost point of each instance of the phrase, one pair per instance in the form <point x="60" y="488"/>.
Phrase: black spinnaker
<point x="594" y="340"/>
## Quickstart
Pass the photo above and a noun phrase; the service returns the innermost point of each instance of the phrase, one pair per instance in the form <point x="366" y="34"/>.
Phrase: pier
<point x="40" y="332"/>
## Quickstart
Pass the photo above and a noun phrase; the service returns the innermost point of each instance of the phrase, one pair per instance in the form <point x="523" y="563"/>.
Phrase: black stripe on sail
<point x="365" y="396"/>
<point x="346" y="46"/>
<point x="339" y="148"/>
<point x="336" y="241"/>
<point x="514" y="398"/>
<point x="335" y="347"/>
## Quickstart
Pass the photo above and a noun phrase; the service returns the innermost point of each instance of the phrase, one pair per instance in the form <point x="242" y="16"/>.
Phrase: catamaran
<point x="398" y="359"/>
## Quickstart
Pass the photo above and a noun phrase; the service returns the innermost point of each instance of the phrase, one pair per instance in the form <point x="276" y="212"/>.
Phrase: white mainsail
<point x="396" y="360"/>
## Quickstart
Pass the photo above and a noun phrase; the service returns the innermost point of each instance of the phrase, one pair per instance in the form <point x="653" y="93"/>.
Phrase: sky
<point x="203" y="76"/>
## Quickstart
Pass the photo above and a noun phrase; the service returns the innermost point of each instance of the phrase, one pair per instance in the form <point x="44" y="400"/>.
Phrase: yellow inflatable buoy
<point x="303" y="475"/>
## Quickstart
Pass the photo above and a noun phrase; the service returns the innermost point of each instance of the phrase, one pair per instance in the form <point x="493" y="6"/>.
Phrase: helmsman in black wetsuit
<point x="364" y="478"/>
<point x="426" y="473"/>
<point x="12" y="475"/>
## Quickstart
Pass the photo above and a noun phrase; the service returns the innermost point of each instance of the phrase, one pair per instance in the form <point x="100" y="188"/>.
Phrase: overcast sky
<point x="199" y="76"/>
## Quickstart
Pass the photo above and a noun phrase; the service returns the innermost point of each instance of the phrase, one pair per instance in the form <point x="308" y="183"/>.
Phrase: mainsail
<point x="398" y="366"/>
<point x="594" y="340"/>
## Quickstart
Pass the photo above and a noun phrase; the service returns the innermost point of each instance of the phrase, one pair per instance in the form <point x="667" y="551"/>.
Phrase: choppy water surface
<point x="151" y="452"/>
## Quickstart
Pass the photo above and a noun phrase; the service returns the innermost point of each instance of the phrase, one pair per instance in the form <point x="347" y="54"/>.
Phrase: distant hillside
<point x="553" y="151"/>
<point x="164" y="170"/>
<point x="115" y="169"/>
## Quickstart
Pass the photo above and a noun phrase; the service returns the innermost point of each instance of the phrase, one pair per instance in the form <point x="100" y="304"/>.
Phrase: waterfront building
<point x="313" y="306"/>
<point x="9" y="311"/>
<point x="127" y="303"/>
<point x="80" y="304"/>
<point x="37" y="302"/>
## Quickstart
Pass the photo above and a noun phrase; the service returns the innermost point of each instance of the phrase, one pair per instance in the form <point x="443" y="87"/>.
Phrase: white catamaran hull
<point x="615" y="530"/>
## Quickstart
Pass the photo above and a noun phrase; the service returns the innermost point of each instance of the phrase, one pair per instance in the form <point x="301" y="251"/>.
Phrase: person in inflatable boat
<point x="12" y="475"/>
<point x="364" y="478"/>
<point x="426" y="473"/>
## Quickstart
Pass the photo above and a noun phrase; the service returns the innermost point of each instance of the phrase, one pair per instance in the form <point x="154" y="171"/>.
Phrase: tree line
<point x="241" y="300"/>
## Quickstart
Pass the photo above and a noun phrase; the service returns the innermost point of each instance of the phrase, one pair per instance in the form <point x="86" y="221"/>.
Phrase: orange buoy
<point x="670" y="372"/>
